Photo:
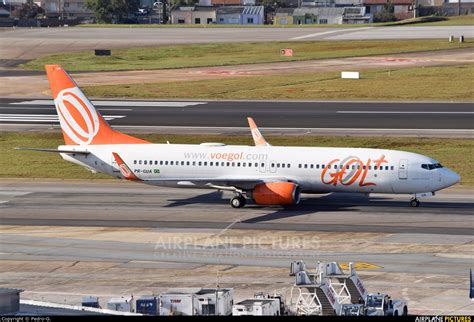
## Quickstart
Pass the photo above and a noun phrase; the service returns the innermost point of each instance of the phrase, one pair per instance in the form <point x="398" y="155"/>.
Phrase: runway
<point x="61" y="240"/>
<point x="21" y="44"/>
<point x="229" y="117"/>
<point x="122" y="204"/>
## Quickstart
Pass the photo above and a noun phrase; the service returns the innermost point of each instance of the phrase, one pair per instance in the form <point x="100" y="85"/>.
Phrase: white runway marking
<point x="52" y="108"/>
<point x="327" y="33"/>
<point x="119" y="103"/>
<point x="402" y="112"/>
<point x="43" y="118"/>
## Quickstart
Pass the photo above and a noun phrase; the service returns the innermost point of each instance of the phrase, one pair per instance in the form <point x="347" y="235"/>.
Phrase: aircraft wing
<point x="220" y="183"/>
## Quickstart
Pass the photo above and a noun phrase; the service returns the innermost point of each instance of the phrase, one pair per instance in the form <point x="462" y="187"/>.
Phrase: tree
<point x="112" y="10"/>
<point x="386" y="15"/>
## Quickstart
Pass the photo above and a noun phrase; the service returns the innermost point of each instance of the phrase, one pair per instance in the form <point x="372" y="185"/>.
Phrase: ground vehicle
<point x="382" y="305"/>
<point x="352" y="309"/>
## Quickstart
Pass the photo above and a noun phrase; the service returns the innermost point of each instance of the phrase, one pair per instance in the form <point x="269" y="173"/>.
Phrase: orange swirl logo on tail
<point x="78" y="118"/>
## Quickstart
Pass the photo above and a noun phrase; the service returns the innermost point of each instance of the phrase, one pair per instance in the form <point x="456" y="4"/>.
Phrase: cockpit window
<point x="431" y="166"/>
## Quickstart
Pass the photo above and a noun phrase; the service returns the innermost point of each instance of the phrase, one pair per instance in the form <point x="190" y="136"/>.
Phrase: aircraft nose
<point x="450" y="178"/>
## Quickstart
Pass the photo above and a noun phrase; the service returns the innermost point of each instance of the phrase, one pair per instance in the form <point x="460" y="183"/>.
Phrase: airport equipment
<point x="90" y="301"/>
<point x="147" y="305"/>
<point x="352" y="310"/>
<point x="121" y="304"/>
<point x="471" y="292"/>
<point x="102" y="52"/>
<point x="208" y="301"/>
<point x="284" y="310"/>
<point x="9" y="300"/>
<point x="350" y="75"/>
<point x="257" y="307"/>
<point x="378" y="304"/>
<point x="325" y="291"/>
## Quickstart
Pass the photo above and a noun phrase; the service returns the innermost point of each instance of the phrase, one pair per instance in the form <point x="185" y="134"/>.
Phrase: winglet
<point x="257" y="136"/>
<point x="124" y="169"/>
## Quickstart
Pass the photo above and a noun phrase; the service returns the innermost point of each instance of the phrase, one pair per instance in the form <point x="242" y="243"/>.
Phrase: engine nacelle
<point x="276" y="193"/>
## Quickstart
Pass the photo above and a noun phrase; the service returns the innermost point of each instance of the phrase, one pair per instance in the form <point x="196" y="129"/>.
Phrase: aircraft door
<point x="272" y="166"/>
<point x="262" y="166"/>
<point x="403" y="169"/>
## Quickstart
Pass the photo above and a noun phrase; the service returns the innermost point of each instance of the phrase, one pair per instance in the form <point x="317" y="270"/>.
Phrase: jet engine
<point x="276" y="193"/>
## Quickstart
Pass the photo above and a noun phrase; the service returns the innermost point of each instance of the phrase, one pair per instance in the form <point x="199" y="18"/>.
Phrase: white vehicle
<point x="269" y="175"/>
<point x="382" y="304"/>
<point x="257" y="307"/>
<point x="352" y="309"/>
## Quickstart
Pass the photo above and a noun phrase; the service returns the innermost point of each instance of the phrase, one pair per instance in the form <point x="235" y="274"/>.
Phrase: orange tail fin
<point x="80" y="122"/>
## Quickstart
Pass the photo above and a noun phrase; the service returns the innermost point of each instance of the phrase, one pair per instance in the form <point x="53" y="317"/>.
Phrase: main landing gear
<point x="238" y="201"/>
<point x="414" y="202"/>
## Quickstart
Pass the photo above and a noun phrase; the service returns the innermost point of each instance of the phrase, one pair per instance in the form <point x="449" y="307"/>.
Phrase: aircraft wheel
<point x="415" y="202"/>
<point x="237" y="202"/>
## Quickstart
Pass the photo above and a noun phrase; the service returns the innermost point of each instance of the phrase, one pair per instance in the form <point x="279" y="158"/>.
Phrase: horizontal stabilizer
<point x="54" y="150"/>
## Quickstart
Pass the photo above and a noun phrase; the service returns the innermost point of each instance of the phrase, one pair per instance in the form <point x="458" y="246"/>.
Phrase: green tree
<point x="112" y="10"/>
<point x="386" y="15"/>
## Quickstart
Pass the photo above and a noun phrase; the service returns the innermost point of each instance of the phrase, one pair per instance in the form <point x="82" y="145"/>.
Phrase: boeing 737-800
<point x="269" y="175"/>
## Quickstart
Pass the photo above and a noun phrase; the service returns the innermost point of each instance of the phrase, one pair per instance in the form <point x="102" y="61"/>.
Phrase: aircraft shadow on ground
<point x="207" y="198"/>
<point x="332" y="202"/>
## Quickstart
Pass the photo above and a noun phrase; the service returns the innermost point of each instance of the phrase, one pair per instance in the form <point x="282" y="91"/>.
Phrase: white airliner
<point x="269" y="175"/>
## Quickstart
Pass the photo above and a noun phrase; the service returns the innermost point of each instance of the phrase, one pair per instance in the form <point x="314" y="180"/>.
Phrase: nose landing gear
<point x="414" y="202"/>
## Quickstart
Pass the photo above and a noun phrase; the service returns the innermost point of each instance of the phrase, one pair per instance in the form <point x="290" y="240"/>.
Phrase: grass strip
<point x="443" y="83"/>
<point x="222" y="54"/>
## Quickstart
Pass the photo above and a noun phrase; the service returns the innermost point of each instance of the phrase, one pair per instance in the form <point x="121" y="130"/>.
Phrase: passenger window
<point x="144" y="162"/>
<point x="199" y="163"/>
<point x="233" y="164"/>
<point x="278" y="165"/>
<point x="151" y="162"/>
<point x="188" y="163"/>
<point x="323" y="166"/>
<point x="364" y="167"/>
<point x="317" y="166"/>
<point x="375" y="167"/>
<point x="134" y="161"/>
<point x="250" y="164"/>
<point x="228" y="164"/>
<point x="171" y="162"/>
<point x="182" y="162"/>
<point x="263" y="165"/>
<point x="311" y="166"/>
<point x="205" y="163"/>
<point x="194" y="163"/>
<point x="256" y="165"/>
<point x="299" y="165"/>
<point x="289" y="166"/>
<point x="282" y="165"/>
<point x="243" y="164"/>
<point x="139" y="161"/>
<point x="238" y="164"/>
<point x="211" y="163"/>
<point x="306" y="166"/>
<point x="386" y="167"/>
<point x="370" y="167"/>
